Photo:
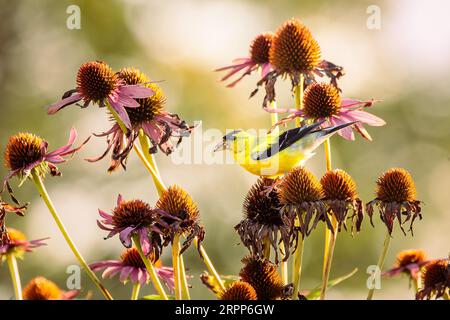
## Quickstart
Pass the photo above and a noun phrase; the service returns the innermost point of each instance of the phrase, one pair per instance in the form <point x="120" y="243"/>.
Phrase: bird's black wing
<point x="285" y="140"/>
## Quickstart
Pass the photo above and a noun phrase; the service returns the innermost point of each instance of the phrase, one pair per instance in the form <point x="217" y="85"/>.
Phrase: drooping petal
<point x="111" y="271"/>
<point x="145" y="241"/>
<point x="119" y="199"/>
<point x="136" y="91"/>
<point x="108" y="217"/>
<point x="347" y="132"/>
<point x="122" y="113"/>
<point x="134" y="275"/>
<point x="125" y="273"/>
<point x="364" y="117"/>
<point x="55" y="107"/>
<point x="127" y="101"/>
<point x="125" y="236"/>
<point x="265" y="69"/>
<point x="347" y="103"/>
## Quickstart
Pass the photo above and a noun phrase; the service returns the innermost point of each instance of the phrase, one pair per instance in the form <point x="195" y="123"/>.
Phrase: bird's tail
<point x="317" y="137"/>
<point x="327" y="132"/>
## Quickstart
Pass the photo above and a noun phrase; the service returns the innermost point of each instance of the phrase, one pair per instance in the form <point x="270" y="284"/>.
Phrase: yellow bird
<point x="273" y="155"/>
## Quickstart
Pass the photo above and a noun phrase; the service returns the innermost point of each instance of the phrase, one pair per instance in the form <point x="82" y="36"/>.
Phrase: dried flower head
<point x="26" y="151"/>
<point x="341" y="197"/>
<point x="41" y="288"/>
<point x="396" y="197"/>
<point x="149" y="119"/>
<point x="239" y="290"/>
<point x="131" y="267"/>
<point x="435" y="279"/>
<point x="259" y="58"/>
<point x="181" y="215"/>
<point x="300" y="194"/>
<point x="6" y="208"/>
<point x="96" y="82"/>
<point x="263" y="276"/>
<point x="263" y="221"/>
<point x="133" y="217"/>
<point x="18" y="244"/>
<point x="408" y="262"/>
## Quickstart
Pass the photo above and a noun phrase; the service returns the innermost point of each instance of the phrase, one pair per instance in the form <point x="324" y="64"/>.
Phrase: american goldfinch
<point x="273" y="155"/>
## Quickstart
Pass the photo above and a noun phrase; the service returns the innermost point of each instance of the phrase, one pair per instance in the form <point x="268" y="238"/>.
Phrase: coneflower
<point x="263" y="222"/>
<point x="408" y="262"/>
<point x="41" y="288"/>
<point x="97" y="83"/>
<point x="263" y="276"/>
<point x="396" y="199"/>
<point x="435" y="280"/>
<point x="258" y="58"/>
<point x="239" y="290"/>
<point x="149" y="119"/>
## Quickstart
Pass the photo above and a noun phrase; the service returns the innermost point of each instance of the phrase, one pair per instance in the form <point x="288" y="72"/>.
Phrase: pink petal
<point x="347" y="132"/>
<point x="119" y="200"/>
<point x="111" y="271"/>
<point x="123" y="115"/>
<point x="72" y="138"/>
<point x="127" y="101"/>
<point x="125" y="273"/>
<point x="55" y="107"/>
<point x="136" y="91"/>
<point x="364" y="117"/>
<point x="265" y="69"/>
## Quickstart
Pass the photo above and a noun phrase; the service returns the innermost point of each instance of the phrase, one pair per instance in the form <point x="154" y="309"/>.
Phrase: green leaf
<point x="315" y="293"/>
<point x="155" y="297"/>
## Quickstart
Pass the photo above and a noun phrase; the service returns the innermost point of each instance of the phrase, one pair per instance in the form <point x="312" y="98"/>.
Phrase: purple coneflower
<point x="130" y="266"/>
<point x="41" y="288"/>
<point x="26" y="151"/>
<point x="18" y="244"/>
<point x="97" y="82"/>
<point x="133" y="217"/>
<point x="258" y="58"/>
<point x="149" y="116"/>
<point x="435" y="280"/>
<point x="322" y="102"/>
<point x="408" y="262"/>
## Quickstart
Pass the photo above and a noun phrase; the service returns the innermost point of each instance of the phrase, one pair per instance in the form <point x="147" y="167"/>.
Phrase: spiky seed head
<point x="396" y="185"/>
<point x="435" y="273"/>
<point x="132" y="213"/>
<point x="407" y="257"/>
<point x="130" y="257"/>
<point x="41" y="288"/>
<point x="261" y="207"/>
<point x="263" y="276"/>
<point x="96" y="81"/>
<point x="177" y="202"/>
<point x="338" y="185"/>
<point x="22" y="150"/>
<point x="149" y="107"/>
<point x="321" y="100"/>
<point x="299" y="186"/>
<point x="260" y="47"/>
<point x="239" y="290"/>
<point x="294" y="49"/>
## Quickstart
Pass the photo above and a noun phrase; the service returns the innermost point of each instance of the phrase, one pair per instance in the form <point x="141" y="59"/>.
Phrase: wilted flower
<point x="157" y="124"/>
<point x="130" y="266"/>
<point x="396" y="197"/>
<point x="133" y="217"/>
<point x="435" y="279"/>
<point x="300" y="194"/>
<point x="258" y="58"/>
<point x="97" y="82"/>
<point x="41" y="288"/>
<point x="408" y="262"/>
<point x="6" y="208"/>
<point x="263" y="276"/>
<point x="239" y="290"/>
<point x="341" y="197"/>
<point x="181" y="216"/>
<point x="322" y="102"/>
<point x="18" y="244"/>
<point x="26" y="151"/>
<point x="263" y="221"/>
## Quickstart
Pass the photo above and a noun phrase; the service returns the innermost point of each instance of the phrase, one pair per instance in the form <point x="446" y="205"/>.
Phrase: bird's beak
<point x="221" y="146"/>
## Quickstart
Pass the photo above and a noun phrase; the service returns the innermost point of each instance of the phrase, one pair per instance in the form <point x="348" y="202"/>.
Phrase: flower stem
<point x="15" y="277"/>
<point x="387" y="241"/>
<point x="266" y="245"/>
<point x="297" y="266"/>
<point x="150" y="269"/>
<point x="299" y="99"/>
<point x="44" y="194"/>
<point x="284" y="266"/>
<point x="160" y="187"/>
<point x="145" y="145"/>
<point x="184" y="285"/>
<point x="209" y="265"/>
<point x="330" y="235"/>
<point x="274" y="118"/>
<point x="135" y="292"/>
<point x="176" y="265"/>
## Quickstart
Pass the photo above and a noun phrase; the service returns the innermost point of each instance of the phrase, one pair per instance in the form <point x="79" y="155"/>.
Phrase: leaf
<point x="315" y="293"/>
<point x="155" y="297"/>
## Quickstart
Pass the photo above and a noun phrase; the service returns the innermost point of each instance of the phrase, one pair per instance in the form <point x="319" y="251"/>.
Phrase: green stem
<point x="176" y="266"/>
<point x="381" y="259"/>
<point x="15" y="277"/>
<point x="266" y="248"/>
<point x="274" y="118"/>
<point x="284" y="266"/>
<point x="297" y="267"/>
<point x="44" y="194"/>
<point x="184" y="285"/>
<point x="329" y="250"/>
<point x="145" y="145"/>
<point x="299" y="99"/>
<point x="135" y="292"/>
<point x="150" y="269"/>
<point x="209" y="265"/>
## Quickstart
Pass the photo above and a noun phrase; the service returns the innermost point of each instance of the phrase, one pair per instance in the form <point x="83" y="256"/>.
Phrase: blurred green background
<point x="404" y="63"/>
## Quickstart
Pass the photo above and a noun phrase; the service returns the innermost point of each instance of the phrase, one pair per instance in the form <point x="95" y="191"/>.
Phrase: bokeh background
<point x="404" y="63"/>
